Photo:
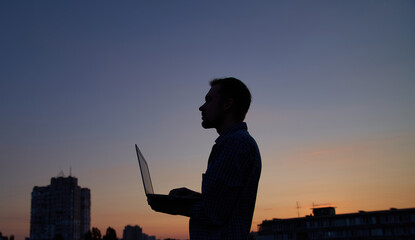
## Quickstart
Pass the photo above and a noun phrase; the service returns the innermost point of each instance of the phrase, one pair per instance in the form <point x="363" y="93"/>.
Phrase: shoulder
<point x="241" y="135"/>
<point x="240" y="139"/>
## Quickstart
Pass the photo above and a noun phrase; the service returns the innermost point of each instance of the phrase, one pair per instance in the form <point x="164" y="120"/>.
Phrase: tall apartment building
<point x="61" y="209"/>
<point x="397" y="224"/>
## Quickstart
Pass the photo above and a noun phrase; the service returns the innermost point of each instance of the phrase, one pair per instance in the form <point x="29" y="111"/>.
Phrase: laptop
<point x="160" y="199"/>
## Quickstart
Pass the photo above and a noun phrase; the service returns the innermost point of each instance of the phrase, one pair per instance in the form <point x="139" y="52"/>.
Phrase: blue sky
<point x="82" y="82"/>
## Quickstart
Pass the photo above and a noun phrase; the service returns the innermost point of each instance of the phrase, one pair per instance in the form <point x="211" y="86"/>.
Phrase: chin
<point x="207" y="125"/>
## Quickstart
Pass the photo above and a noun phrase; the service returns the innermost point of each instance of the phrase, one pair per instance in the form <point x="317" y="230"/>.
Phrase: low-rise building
<point x="135" y="233"/>
<point x="324" y="223"/>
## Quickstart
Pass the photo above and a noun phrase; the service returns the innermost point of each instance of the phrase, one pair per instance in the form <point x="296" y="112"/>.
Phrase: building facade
<point x="132" y="233"/>
<point x="61" y="210"/>
<point x="135" y="233"/>
<point x="397" y="224"/>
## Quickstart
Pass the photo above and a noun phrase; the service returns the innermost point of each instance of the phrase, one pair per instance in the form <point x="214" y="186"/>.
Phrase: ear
<point x="228" y="104"/>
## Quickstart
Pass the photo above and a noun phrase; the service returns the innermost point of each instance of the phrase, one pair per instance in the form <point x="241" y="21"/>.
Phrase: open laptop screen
<point x="145" y="173"/>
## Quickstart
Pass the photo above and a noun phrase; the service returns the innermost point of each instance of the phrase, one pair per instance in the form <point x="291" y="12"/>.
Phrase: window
<point x="377" y="232"/>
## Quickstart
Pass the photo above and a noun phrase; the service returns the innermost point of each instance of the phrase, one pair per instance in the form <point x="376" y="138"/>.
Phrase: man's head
<point x="227" y="101"/>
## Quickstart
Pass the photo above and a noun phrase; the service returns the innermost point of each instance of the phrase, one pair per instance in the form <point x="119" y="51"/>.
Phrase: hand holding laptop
<point x="177" y="205"/>
<point x="179" y="201"/>
<point x="184" y="192"/>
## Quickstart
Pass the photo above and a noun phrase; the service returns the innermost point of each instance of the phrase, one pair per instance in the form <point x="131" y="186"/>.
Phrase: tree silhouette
<point x="110" y="234"/>
<point x="96" y="234"/>
<point x="88" y="235"/>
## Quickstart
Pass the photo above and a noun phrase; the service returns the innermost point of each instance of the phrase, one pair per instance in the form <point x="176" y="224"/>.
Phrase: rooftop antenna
<point x="70" y="171"/>
<point x="61" y="174"/>
<point x="298" y="209"/>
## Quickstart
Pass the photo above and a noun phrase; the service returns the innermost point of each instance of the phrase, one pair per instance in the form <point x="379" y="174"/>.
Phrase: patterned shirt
<point x="229" y="188"/>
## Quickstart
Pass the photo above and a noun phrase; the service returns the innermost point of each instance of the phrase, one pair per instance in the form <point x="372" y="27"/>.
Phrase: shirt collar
<point x="233" y="128"/>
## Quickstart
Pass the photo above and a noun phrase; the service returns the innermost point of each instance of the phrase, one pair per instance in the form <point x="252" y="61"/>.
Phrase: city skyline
<point x="332" y="109"/>
<point x="70" y="180"/>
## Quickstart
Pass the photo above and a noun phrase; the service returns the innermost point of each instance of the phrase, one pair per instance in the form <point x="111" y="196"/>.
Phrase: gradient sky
<point x="333" y="109"/>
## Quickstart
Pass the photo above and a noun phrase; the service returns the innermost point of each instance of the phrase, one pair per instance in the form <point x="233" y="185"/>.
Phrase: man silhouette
<point x="225" y="206"/>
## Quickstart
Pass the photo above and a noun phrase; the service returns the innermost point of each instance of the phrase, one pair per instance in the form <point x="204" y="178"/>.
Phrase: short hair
<point x="234" y="88"/>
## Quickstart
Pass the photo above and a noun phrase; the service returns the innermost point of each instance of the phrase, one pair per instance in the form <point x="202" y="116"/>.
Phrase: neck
<point x="227" y="123"/>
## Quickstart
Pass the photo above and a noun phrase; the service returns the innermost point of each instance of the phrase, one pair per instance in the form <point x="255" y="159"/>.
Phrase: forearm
<point x="184" y="209"/>
<point x="180" y="202"/>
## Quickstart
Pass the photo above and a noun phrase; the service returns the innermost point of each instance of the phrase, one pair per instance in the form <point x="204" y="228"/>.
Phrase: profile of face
<point x="213" y="110"/>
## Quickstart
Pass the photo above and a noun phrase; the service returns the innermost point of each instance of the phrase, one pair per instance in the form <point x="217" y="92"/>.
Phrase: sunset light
<point x="332" y="110"/>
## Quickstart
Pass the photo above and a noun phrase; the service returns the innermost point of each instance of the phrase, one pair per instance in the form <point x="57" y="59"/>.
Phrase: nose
<point x="201" y="107"/>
